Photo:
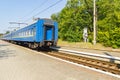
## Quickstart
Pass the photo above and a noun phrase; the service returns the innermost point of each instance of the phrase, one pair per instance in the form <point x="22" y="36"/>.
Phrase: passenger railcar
<point x="42" y="33"/>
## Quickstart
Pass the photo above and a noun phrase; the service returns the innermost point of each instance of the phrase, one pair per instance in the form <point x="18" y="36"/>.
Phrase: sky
<point x="22" y="11"/>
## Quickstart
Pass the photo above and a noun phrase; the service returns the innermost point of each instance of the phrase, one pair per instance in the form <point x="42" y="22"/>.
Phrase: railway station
<point x="60" y="40"/>
<point x="21" y="63"/>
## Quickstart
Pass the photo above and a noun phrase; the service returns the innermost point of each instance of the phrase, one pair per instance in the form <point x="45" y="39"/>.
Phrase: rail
<point x="87" y="54"/>
<point x="106" y="66"/>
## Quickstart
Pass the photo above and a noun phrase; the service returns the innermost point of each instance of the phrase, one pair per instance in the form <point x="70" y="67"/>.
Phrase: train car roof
<point x="28" y="26"/>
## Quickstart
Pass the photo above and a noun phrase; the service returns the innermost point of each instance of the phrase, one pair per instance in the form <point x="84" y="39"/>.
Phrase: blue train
<point x="42" y="33"/>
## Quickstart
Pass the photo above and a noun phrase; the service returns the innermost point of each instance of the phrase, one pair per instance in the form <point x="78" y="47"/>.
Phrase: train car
<point x="42" y="33"/>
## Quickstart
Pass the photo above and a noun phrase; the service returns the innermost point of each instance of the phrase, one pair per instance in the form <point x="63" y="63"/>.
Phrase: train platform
<point x="93" y="51"/>
<point x="20" y="63"/>
<point x="93" y="54"/>
<point x="96" y="52"/>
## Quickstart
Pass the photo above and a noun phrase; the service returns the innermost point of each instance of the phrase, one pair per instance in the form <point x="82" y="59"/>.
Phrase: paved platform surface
<point x="109" y="53"/>
<point x="102" y="52"/>
<point x="19" y="63"/>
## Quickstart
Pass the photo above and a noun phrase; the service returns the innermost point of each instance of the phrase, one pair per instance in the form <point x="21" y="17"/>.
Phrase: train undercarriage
<point x="34" y="45"/>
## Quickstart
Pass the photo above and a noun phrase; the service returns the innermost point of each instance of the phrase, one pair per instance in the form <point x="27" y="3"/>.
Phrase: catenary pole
<point x="94" y="22"/>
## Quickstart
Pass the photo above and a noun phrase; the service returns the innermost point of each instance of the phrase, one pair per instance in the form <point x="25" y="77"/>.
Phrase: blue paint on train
<point x="42" y="31"/>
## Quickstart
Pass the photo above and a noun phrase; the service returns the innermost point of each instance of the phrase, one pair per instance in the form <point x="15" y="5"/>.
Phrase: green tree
<point x="78" y="14"/>
<point x="7" y="32"/>
<point x="72" y="19"/>
<point x="1" y="34"/>
<point x="109" y="22"/>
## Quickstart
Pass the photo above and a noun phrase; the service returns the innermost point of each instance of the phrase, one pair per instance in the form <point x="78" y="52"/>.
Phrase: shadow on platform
<point x="112" y="60"/>
<point x="2" y="45"/>
<point x="7" y="53"/>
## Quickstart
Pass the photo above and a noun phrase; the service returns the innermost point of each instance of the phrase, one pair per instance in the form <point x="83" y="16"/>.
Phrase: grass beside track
<point x="87" y="45"/>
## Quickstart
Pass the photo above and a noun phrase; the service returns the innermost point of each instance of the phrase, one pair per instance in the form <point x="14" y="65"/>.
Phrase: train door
<point x="48" y="33"/>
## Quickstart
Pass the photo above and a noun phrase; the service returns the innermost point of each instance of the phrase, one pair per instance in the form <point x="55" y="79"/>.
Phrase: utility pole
<point x="94" y="22"/>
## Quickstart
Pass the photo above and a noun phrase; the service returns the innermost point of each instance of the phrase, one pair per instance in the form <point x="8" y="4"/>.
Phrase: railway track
<point x="94" y="63"/>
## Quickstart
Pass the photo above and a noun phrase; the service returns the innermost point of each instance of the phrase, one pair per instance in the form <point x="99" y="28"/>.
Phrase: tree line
<point x="78" y="14"/>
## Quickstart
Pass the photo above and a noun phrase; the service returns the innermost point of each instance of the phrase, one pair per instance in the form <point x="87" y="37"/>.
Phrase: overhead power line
<point x="35" y="9"/>
<point x="17" y="23"/>
<point x="48" y="8"/>
<point x="45" y="9"/>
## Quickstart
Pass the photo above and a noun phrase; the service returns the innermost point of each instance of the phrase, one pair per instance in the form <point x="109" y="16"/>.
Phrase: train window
<point x="29" y="32"/>
<point x="16" y="34"/>
<point x="21" y="33"/>
<point x="34" y="31"/>
<point x="24" y="33"/>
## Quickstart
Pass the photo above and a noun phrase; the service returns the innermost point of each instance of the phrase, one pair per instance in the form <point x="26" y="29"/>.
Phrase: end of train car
<point x="42" y="33"/>
<point x="49" y="32"/>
